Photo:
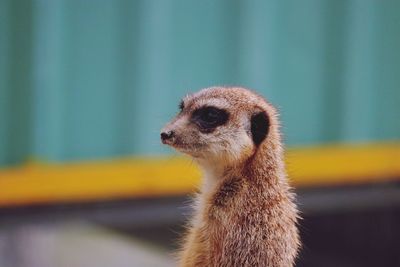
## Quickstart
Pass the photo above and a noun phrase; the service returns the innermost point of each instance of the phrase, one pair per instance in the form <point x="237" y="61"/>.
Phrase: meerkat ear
<point x="259" y="127"/>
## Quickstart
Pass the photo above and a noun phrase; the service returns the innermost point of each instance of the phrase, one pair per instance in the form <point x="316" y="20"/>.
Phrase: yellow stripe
<point x="344" y="164"/>
<point x="144" y="177"/>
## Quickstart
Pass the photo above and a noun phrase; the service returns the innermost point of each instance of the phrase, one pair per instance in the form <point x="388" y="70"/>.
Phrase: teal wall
<point x="92" y="79"/>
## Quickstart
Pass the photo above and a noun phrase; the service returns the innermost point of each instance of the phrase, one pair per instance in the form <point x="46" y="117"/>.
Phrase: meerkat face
<point x="219" y="125"/>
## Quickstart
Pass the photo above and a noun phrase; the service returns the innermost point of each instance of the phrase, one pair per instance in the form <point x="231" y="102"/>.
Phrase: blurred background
<point x="85" y="87"/>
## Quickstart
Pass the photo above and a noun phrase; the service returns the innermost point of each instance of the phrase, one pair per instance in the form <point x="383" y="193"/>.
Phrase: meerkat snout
<point x="165" y="136"/>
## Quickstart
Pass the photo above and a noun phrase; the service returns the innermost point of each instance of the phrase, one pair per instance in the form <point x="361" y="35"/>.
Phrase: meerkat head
<point x="220" y="126"/>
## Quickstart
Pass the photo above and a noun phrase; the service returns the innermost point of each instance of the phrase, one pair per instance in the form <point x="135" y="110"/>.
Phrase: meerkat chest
<point x="222" y="204"/>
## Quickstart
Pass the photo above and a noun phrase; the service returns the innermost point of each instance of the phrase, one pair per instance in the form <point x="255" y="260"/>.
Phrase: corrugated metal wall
<point x="89" y="79"/>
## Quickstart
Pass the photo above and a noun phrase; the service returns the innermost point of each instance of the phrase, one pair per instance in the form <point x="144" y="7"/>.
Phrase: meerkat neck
<point x="268" y="164"/>
<point x="263" y="165"/>
<point x="212" y="174"/>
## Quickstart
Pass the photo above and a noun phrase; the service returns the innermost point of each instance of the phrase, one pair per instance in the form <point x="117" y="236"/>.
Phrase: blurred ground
<point x="75" y="244"/>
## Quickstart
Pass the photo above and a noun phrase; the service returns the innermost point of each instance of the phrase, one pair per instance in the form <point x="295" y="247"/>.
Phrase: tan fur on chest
<point x="241" y="226"/>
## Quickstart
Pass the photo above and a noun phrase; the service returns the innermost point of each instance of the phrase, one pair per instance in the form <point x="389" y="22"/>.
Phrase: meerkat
<point x="245" y="213"/>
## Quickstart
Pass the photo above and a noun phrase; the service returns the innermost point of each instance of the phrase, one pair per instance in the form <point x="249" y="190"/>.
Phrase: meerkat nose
<point x="166" y="135"/>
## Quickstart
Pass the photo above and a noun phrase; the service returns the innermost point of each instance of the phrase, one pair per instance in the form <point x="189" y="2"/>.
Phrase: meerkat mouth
<point x="193" y="150"/>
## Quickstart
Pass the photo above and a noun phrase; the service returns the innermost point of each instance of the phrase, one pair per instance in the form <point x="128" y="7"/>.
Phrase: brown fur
<point x="245" y="214"/>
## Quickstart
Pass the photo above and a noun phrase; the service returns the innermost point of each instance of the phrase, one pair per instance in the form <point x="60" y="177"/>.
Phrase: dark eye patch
<point x="208" y="118"/>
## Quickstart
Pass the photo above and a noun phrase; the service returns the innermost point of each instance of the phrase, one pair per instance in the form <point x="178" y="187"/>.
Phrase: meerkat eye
<point x="208" y="118"/>
<point x="210" y="115"/>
